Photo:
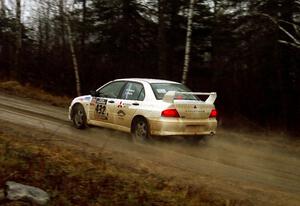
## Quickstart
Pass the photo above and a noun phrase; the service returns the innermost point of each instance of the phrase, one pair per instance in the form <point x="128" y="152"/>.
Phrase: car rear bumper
<point x="178" y="126"/>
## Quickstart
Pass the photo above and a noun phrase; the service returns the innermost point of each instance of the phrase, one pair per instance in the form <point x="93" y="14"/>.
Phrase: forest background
<point x="246" y="51"/>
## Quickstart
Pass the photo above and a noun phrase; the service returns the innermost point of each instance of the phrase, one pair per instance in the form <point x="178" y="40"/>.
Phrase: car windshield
<point x="160" y="89"/>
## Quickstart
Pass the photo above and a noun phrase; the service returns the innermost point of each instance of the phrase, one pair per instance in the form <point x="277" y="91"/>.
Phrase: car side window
<point x="111" y="90"/>
<point x="142" y="95"/>
<point x="133" y="91"/>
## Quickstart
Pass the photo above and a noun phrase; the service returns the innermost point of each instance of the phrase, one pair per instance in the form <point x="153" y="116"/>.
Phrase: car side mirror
<point x="94" y="93"/>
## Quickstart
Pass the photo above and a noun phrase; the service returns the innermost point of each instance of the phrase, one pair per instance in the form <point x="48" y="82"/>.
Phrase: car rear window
<point x="160" y="89"/>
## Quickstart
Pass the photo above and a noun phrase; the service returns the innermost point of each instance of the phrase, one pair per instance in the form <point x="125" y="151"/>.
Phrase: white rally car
<point x="146" y="107"/>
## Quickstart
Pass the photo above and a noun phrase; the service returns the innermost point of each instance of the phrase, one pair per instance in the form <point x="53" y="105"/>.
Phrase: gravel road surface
<point x="262" y="169"/>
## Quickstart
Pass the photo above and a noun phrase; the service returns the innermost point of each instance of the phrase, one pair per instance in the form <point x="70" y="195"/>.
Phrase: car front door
<point x="103" y="105"/>
<point x="131" y="99"/>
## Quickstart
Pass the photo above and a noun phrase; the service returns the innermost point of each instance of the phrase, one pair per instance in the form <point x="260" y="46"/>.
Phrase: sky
<point x="26" y="5"/>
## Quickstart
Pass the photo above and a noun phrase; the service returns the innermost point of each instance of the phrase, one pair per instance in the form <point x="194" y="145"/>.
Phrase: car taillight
<point x="170" y="113"/>
<point x="213" y="113"/>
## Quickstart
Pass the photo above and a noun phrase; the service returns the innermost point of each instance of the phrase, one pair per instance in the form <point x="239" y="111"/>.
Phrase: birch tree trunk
<point x="188" y="43"/>
<point x="74" y="57"/>
<point x="65" y="20"/>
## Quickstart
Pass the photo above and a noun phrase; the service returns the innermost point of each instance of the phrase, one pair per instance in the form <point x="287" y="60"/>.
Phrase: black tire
<point x="79" y="117"/>
<point x="140" y="130"/>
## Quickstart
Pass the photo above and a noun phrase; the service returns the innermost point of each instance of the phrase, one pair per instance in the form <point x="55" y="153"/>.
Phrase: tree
<point x="83" y="35"/>
<point x="74" y="57"/>
<point x="281" y="17"/>
<point x="7" y="42"/>
<point x="162" y="39"/>
<point x="66" y="22"/>
<point x="16" y="72"/>
<point x="188" y="43"/>
<point x="2" y="8"/>
<point x="124" y="35"/>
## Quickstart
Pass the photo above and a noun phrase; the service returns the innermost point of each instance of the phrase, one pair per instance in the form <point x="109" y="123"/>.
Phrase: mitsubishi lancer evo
<point x="147" y="107"/>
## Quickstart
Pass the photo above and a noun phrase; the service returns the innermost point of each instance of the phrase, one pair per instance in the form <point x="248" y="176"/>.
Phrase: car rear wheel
<point x="140" y="130"/>
<point x="79" y="117"/>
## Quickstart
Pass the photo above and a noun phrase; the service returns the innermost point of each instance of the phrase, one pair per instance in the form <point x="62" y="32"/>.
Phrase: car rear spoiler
<point x="170" y="95"/>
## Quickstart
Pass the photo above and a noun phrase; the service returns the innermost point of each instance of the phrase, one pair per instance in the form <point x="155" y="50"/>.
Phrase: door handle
<point x="135" y="104"/>
<point x="111" y="101"/>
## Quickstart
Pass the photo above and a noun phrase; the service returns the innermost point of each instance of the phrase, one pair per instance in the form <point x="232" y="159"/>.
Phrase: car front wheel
<point x="79" y="117"/>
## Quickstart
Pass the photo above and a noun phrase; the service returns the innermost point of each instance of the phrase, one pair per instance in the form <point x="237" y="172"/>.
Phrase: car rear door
<point x="130" y="101"/>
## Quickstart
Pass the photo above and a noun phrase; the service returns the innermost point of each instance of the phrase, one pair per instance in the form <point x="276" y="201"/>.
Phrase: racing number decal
<point x="100" y="110"/>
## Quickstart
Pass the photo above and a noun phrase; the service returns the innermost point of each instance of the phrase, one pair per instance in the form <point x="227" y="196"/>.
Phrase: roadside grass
<point x="73" y="177"/>
<point x="15" y="88"/>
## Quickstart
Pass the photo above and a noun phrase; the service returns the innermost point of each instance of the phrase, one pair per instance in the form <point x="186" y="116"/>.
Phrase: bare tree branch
<point x="289" y="44"/>
<point x="295" y="26"/>
<point x="295" y="43"/>
<point x="268" y="16"/>
<point x="290" y="23"/>
<point x="289" y="35"/>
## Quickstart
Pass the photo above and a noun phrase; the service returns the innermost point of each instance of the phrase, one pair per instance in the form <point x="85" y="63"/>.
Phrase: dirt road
<point x="261" y="169"/>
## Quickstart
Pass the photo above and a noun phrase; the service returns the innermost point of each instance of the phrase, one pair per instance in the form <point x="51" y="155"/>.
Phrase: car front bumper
<point x="179" y="126"/>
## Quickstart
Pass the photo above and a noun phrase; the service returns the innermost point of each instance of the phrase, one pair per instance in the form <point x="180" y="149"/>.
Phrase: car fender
<point x="84" y="101"/>
<point x="151" y="110"/>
